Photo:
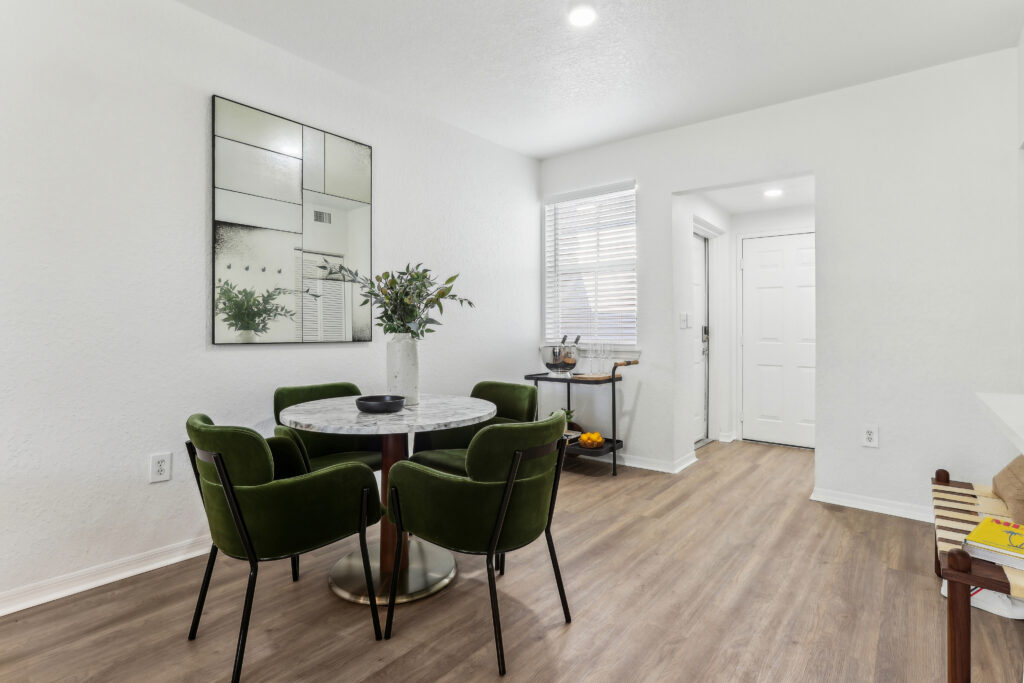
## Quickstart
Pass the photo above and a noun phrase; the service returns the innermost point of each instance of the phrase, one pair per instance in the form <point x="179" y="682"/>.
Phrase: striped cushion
<point x="958" y="509"/>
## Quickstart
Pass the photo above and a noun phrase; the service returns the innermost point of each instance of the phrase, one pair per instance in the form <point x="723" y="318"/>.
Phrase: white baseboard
<point x="682" y="463"/>
<point x="46" y="590"/>
<point x="726" y="437"/>
<point x="922" y="513"/>
<point x="654" y="464"/>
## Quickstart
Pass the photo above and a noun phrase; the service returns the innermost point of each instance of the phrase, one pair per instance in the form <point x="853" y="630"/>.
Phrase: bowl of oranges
<point x="591" y="440"/>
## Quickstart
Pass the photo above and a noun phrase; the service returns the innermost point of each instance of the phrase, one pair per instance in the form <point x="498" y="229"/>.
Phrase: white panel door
<point x="700" y="347"/>
<point x="778" y="339"/>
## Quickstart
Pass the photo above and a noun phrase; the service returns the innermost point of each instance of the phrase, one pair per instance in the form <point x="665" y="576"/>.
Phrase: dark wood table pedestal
<point x="425" y="568"/>
<point x="393" y="450"/>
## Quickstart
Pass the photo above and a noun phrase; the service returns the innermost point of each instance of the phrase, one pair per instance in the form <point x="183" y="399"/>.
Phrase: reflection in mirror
<point x="289" y="202"/>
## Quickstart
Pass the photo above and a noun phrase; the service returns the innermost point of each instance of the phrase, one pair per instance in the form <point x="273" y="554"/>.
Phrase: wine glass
<point x="602" y="358"/>
<point x="583" y="358"/>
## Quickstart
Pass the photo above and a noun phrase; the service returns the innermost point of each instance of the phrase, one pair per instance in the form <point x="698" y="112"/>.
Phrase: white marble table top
<point x="434" y="411"/>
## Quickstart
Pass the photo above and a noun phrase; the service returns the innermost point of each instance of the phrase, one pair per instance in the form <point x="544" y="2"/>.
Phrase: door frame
<point x="740" y="239"/>
<point x="706" y="322"/>
<point x="711" y="232"/>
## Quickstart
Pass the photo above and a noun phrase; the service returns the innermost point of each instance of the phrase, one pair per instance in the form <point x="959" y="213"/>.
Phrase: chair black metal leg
<point x="558" y="576"/>
<point x="295" y="567"/>
<point x="393" y="500"/>
<point x="501" y="564"/>
<point x="366" y="567"/>
<point x="202" y="593"/>
<point x="250" y="590"/>
<point x="494" y="615"/>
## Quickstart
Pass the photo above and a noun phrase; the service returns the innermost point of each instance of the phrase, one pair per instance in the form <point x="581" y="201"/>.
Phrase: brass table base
<point x="430" y="569"/>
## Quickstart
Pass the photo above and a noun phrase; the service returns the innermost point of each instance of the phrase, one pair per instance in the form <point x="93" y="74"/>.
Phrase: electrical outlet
<point x="869" y="437"/>
<point x="159" y="467"/>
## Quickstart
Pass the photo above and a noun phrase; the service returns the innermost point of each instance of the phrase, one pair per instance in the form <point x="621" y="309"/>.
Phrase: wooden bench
<point x="960" y="570"/>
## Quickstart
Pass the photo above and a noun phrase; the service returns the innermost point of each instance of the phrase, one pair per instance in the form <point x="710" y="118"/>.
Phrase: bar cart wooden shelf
<point x="612" y="445"/>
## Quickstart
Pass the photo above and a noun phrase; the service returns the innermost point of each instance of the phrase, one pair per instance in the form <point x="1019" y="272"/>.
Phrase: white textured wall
<point x="1020" y="153"/>
<point x="1020" y="88"/>
<point x="105" y="267"/>
<point x="918" y="264"/>
<point x="773" y="221"/>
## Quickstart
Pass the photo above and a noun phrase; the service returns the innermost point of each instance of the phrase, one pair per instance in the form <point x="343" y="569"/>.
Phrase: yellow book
<point x="997" y="541"/>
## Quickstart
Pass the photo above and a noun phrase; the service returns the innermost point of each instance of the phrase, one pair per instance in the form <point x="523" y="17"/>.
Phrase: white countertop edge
<point x="1008" y="410"/>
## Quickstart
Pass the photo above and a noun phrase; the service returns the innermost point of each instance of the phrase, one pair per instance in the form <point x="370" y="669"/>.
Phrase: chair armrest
<point x="288" y="460"/>
<point x="291" y="434"/>
<point x="305" y="512"/>
<point x="460" y="514"/>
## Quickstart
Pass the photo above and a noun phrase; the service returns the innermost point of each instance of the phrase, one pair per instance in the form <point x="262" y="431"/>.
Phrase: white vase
<point x="246" y="337"/>
<point x="404" y="368"/>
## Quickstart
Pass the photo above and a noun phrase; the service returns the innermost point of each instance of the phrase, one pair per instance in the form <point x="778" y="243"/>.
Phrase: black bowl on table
<point x="380" y="404"/>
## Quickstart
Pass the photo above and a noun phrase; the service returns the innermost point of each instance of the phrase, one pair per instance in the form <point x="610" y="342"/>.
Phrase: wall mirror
<point x="289" y="200"/>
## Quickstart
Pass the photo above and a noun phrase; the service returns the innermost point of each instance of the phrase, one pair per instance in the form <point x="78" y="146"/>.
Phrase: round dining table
<point x="426" y="568"/>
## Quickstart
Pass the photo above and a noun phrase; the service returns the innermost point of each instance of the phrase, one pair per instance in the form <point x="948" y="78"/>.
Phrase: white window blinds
<point x="324" y="302"/>
<point x="590" y="286"/>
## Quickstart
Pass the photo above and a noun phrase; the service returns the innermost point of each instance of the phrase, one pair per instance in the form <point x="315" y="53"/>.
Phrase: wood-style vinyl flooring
<point x="725" y="572"/>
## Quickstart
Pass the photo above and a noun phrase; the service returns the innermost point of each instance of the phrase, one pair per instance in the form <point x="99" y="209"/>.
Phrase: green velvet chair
<point x="504" y="503"/>
<point x="445" y="450"/>
<point x="323" y="450"/>
<point x="262" y="503"/>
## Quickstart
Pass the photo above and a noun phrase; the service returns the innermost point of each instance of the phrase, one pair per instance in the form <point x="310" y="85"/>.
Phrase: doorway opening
<point x="747" y="318"/>
<point x="778" y="342"/>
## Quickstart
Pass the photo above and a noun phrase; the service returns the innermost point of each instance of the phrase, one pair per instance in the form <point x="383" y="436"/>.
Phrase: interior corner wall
<point x="1020" y="150"/>
<point x="918" y="263"/>
<point x="106" y="271"/>
<point x="1020" y="89"/>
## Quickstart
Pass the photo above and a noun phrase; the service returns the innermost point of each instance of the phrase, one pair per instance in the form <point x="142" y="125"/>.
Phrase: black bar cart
<point x="612" y="445"/>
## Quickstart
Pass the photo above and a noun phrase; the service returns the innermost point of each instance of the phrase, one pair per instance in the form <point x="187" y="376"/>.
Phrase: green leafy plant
<point x="569" y="415"/>
<point x="404" y="299"/>
<point x="244" y="309"/>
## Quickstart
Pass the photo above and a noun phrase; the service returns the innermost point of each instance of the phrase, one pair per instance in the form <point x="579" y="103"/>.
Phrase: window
<point x="590" y="284"/>
<point x="323" y="301"/>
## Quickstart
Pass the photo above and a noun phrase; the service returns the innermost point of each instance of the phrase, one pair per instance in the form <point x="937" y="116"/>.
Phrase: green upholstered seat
<point x="262" y="503"/>
<point x="287" y="511"/>
<point x="323" y="450"/>
<point x="504" y="501"/>
<point x="446" y="449"/>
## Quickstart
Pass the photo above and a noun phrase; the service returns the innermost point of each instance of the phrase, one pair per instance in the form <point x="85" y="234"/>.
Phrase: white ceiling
<point x="746" y="198"/>
<point x="515" y="72"/>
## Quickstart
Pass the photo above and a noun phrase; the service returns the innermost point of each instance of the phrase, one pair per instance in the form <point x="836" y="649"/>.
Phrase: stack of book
<point x="997" y="541"/>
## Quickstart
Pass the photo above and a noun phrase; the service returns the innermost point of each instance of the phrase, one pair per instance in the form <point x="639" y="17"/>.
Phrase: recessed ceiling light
<point x="582" y="15"/>
<point x="773" y="193"/>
